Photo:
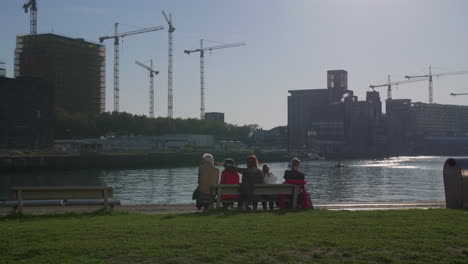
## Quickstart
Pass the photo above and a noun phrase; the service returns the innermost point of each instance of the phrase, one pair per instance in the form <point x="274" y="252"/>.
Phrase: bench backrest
<point x="260" y="189"/>
<point x="49" y="193"/>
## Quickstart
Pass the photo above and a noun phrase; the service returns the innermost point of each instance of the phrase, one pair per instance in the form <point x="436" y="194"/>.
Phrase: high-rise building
<point x="75" y="66"/>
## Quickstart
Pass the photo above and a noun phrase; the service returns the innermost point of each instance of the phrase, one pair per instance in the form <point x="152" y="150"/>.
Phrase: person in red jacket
<point x="229" y="176"/>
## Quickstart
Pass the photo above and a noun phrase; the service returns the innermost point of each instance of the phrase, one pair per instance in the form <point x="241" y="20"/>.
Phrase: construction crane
<point x="152" y="72"/>
<point x="170" y="98"/>
<point x="389" y="85"/>
<point x="32" y="6"/>
<point x="430" y="76"/>
<point x="457" y="94"/>
<point x="116" y="38"/>
<point x="202" y="69"/>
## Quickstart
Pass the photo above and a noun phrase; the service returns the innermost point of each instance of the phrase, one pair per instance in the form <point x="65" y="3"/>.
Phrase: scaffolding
<point x="75" y="66"/>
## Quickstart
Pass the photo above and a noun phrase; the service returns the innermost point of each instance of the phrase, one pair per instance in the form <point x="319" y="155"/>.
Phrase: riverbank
<point x="121" y="160"/>
<point x="408" y="236"/>
<point x="190" y="208"/>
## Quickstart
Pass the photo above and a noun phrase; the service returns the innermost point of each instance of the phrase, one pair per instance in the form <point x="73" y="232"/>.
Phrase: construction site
<point x="326" y="121"/>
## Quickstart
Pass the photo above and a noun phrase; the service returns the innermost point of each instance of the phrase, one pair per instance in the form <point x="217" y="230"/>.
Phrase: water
<point x="392" y="179"/>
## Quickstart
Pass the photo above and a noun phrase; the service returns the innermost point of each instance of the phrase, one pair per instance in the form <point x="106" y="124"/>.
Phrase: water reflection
<point x="392" y="179"/>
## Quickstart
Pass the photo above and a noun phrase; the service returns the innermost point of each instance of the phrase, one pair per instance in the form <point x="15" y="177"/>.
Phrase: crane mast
<point x="152" y="72"/>
<point x="32" y="7"/>
<point x="170" y="98"/>
<point x="116" y="38"/>
<point x="202" y="81"/>
<point x="116" y="69"/>
<point x="430" y="77"/>
<point x="202" y="50"/>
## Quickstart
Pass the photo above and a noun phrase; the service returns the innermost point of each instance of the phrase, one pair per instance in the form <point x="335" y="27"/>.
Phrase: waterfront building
<point x="333" y="120"/>
<point x="214" y="116"/>
<point x="26" y="113"/>
<point x="75" y="66"/>
<point x="438" y="129"/>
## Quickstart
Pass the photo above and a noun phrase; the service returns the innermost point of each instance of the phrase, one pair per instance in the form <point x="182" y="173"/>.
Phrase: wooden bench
<point x="61" y="196"/>
<point x="291" y="190"/>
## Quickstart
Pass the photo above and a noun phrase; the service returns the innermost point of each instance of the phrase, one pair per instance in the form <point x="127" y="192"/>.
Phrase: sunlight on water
<point x="390" y="179"/>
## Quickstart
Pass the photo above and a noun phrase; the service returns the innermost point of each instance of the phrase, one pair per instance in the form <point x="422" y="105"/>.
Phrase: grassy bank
<point x="413" y="236"/>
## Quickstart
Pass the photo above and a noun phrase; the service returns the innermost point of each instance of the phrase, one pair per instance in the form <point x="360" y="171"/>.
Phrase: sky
<point x="290" y="45"/>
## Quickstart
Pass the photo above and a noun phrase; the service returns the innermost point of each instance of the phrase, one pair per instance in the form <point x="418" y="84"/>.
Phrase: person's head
<point x="229" y="161"/>
<point x="265" y="169"/>
<point x="208" y="158"/>
<point x="252" y="161"/>
<point x="295" y="163"/>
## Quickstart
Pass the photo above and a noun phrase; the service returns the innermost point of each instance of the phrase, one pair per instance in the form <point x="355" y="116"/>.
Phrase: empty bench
<point x="289" y="190"/>
<point x="61" y="196"/>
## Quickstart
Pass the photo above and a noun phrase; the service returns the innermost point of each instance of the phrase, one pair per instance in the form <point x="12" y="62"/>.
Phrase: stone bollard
<point x="456" y="183"/>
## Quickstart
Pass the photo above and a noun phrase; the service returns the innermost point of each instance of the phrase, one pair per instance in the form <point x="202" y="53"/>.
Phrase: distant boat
<point x="339" y="165"/>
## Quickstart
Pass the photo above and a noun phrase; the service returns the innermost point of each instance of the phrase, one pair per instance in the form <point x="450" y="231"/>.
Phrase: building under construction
<point x="75" y="66"/>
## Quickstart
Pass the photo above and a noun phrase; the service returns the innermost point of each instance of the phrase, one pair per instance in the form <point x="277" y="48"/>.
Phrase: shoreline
<point x="190" y="208"/>
<point x="128" y="160"/>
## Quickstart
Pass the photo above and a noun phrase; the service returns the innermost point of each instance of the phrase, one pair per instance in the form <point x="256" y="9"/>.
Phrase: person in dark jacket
<point x="294" y="176"/>
<point x="250" y="176"/>
<point x="294" y="173"/>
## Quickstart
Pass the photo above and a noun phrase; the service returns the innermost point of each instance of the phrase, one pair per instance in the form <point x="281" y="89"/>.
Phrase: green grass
<point x="412" y="236"/>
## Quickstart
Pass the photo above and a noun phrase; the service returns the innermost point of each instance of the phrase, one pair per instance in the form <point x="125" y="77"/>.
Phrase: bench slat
<point x="51" y="188"/>
<point x="112" y="202"/>
<point x="61" y="194"/>
<point x="34" y="203"/>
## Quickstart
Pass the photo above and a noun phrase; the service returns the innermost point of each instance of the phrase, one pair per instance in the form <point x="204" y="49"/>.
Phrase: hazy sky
<point x="290" y="45"/>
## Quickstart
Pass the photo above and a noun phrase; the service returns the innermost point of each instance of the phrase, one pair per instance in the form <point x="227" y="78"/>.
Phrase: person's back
<point x="294" y="174"/>
<point x="208" y="175"/>
<point x="252" y="176"/>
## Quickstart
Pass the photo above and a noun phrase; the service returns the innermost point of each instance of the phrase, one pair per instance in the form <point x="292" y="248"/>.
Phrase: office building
<point x="75" y="66"/>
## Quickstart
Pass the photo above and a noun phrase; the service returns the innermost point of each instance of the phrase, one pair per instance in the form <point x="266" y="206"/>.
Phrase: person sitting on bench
<point x="208" y="175"/>
<point x="229" y="176"/>
<point x="250" y="176"/>
<point x="294" y="176"/>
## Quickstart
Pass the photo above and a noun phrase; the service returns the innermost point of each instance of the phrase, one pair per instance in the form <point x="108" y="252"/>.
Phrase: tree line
<point x="85" y="125"/>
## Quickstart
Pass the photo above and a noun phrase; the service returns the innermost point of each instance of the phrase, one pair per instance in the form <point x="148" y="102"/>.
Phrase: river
<point x="391" y="179"/>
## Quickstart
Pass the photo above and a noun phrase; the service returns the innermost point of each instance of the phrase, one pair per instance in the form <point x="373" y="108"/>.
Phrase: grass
<point x="410" y="236"/>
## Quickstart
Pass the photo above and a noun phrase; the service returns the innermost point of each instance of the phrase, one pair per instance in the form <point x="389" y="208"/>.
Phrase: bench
<point x="61" y="196"/>
<point x="291" y="190"/>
